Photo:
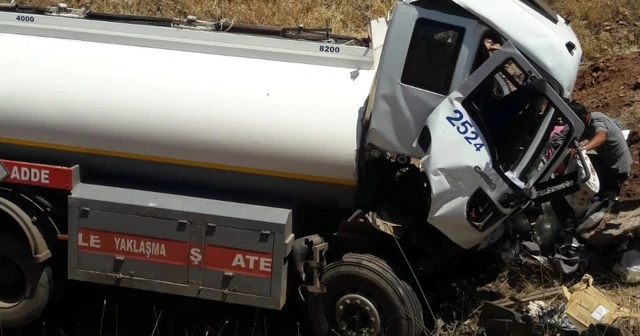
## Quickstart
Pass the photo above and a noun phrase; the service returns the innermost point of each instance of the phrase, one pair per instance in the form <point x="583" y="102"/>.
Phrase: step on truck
<point x="213" y="159"/>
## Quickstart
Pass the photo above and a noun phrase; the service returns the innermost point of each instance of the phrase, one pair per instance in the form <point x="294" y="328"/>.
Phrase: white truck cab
<point x="479" y="123"/>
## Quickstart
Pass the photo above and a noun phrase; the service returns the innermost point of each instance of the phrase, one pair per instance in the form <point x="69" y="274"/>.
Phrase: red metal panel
<point x="174" y="252"/>
<point x="162" y="251"/>
<point x="38" y="174"/>
<point x="238" y="261"/>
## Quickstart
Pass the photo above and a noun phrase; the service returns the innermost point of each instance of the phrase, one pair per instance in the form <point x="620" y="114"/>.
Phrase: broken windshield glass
<point x="518" y="123"/>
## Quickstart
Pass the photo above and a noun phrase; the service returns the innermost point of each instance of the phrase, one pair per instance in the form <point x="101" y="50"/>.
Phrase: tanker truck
<point x="234" y="162"/>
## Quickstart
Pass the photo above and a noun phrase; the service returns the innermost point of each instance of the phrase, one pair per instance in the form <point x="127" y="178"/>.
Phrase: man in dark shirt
<point x="613" y="163"/>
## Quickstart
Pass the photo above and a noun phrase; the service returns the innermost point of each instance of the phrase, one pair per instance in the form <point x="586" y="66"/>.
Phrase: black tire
<point x="369" y="280"/>
<point x="25" y="285"/>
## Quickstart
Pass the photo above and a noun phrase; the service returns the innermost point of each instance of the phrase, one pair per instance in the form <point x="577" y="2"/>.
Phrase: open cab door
<point x="489" y="155"/>
<point x="425" y="56"/>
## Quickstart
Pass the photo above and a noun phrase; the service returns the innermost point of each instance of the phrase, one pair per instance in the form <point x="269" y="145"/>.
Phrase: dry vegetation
<point x="604" y="26"/>
<point x="344" y="16"/>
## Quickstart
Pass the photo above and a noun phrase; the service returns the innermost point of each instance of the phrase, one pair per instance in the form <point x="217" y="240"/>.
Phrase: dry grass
<point x="344" y="16"/>
<point x="351" y="17"/>
<point x="604" y="27"/>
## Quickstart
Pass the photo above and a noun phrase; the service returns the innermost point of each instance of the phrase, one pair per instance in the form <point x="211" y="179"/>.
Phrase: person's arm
<point x="596" y="141"/>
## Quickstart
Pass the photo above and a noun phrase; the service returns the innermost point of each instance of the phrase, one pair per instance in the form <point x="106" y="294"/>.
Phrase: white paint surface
<point x="241" y="112"/>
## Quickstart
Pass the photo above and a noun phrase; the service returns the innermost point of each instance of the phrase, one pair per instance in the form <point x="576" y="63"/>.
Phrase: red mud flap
<point x="39" y="175"/>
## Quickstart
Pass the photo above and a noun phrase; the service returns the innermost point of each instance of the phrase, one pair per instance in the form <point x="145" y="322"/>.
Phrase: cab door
<point x="484" y="149"/>
<point x="425" y="56"/>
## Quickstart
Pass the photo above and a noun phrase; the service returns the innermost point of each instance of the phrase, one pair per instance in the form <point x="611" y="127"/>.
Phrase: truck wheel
<point x="25" y="285"/>
<point x="364" y="297"/>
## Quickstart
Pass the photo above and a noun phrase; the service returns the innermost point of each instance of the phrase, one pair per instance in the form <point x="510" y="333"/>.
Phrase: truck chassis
<point x="203" y="248"/>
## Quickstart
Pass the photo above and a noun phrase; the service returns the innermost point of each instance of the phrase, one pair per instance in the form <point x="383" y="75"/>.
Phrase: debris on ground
<point x="498" y="319"/>
<point x="586" y="305"/>
<point x="580" y="310"/>
<point x="551" y="246"/>
<point x="536" y="296"/>
<point x="628" y="268"/>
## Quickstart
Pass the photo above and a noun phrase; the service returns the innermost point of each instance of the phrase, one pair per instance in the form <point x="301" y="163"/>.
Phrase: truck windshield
<point x="517" y="119"/>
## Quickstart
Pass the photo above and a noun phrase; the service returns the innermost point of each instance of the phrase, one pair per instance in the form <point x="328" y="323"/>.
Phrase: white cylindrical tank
<point x="244" y="115"/>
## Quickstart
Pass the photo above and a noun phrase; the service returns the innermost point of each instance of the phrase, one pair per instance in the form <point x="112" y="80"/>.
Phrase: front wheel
<point x="364" y="297"/>
<point x="25" y="285"/>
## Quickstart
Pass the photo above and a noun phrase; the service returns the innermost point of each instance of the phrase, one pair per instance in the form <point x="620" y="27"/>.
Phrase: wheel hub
<point x="13" y="283"/>
<point x="357" y="315"/>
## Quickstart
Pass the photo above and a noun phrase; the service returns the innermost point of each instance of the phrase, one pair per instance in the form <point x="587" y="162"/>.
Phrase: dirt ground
<point x="612" y="86"/>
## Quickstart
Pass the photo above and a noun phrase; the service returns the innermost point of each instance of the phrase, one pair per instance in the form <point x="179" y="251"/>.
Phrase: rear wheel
<point x="364" y="297"/>
<point x="25" y="285"/>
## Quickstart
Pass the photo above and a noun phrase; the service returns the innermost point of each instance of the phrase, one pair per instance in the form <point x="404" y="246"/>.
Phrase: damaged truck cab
<point x="436" y="141"/>
<point x="480" y="122"/>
